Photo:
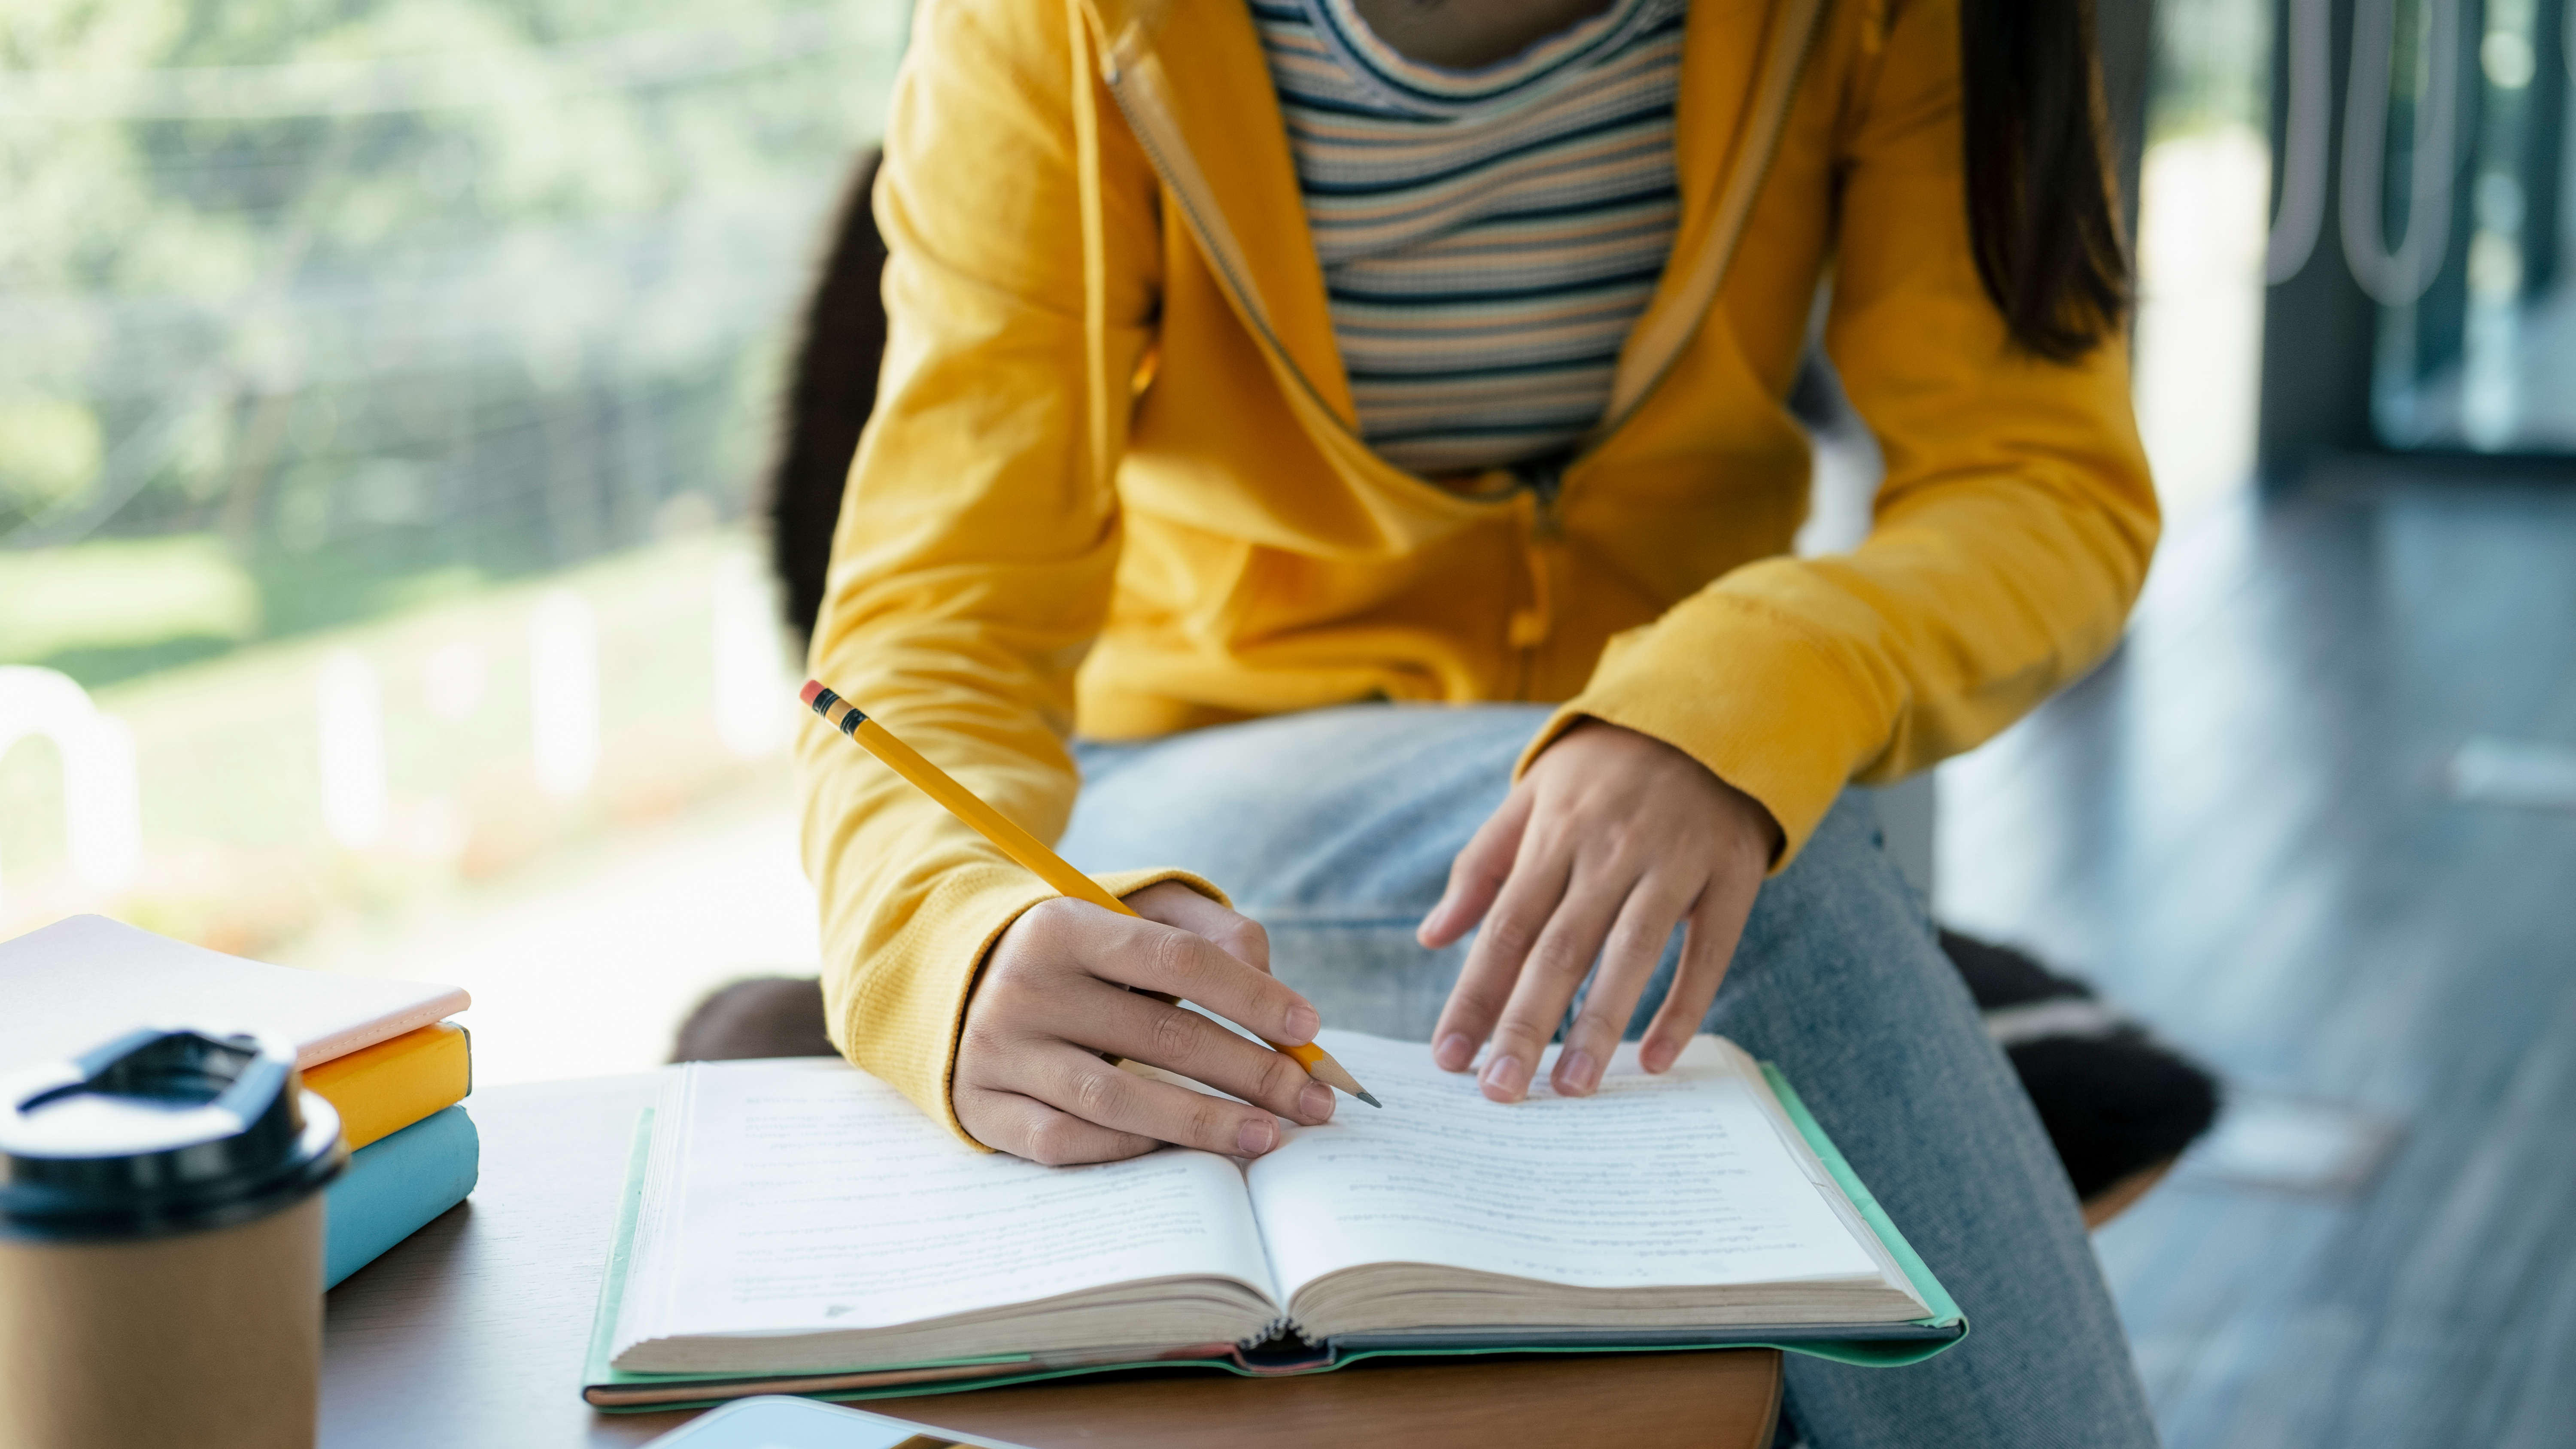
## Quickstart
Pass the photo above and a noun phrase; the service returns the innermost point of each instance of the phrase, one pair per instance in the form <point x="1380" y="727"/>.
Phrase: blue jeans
<point x="1335" y="830"/>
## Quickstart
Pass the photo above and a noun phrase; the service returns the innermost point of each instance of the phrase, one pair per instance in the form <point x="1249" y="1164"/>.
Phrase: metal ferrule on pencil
<point x="850" y="717"/>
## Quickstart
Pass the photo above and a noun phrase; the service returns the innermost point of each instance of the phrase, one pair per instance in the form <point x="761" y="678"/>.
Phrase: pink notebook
<point x="86" y="979"/>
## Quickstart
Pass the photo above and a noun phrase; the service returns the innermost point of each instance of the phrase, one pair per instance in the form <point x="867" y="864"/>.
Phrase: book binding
<point x="395" y="1187"/>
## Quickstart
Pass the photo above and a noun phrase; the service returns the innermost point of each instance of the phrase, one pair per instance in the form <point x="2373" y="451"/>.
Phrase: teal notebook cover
<point x="1889" y="1347"/>
<point x="393" y="1188"/>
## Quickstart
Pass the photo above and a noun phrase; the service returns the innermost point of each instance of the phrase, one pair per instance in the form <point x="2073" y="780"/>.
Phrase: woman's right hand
<point x="1053" y="996"/>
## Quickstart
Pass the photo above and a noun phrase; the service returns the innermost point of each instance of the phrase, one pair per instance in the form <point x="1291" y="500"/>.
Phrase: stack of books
<point x="413" y="1153"/>
<point x="382" y="1052"/>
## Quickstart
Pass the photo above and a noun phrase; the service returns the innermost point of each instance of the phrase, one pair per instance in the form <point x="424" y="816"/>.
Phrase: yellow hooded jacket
<point x="1112" y="483"/>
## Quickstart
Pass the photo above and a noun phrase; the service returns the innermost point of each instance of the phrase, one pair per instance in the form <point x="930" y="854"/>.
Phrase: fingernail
<point x="1655" y="1056"/>
<point x="1577" y="1073"/>
<point x="1302" y="1024"/>
<point x="1454" y="1052"/>
<point x="1256" y="1136"/>
<point x="1316" y="1102"/>
<point x="1505" y="1079"/>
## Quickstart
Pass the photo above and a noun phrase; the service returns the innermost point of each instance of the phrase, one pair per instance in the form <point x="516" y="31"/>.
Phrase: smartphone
<point x="777" y="1421"/>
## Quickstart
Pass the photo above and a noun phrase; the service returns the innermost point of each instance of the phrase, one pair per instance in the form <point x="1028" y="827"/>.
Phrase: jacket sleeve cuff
<point x="1743" y="691"/>
<point x="913" y="1017"/>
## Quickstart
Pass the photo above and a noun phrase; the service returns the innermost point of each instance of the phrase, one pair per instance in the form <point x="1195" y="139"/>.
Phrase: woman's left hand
<point x="1610" y="840"/>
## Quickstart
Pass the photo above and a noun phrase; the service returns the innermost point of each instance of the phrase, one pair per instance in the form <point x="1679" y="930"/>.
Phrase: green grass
<point x="117" y="603"/>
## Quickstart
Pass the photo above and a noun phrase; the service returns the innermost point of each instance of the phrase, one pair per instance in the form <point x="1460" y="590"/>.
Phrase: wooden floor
<point x="2239" y="828"/>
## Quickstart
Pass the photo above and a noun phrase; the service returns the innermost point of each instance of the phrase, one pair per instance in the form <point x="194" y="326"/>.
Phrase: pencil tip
<point x="1365" y="1097"/>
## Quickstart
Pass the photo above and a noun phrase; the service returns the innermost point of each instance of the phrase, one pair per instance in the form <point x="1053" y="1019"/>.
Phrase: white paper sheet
<point x="813" y="1197"/>
<point x="1677" y="1179"/>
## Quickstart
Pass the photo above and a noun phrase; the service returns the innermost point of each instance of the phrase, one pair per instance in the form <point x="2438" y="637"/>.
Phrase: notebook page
<point x="808" y="1196"/>
<point x="1656" y="1180"/>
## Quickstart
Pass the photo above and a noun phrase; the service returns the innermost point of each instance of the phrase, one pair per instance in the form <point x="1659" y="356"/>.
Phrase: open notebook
<point x="798" y="1227"/>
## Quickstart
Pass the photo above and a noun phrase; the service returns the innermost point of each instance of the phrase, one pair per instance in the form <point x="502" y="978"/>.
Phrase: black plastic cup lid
<point x="161" y="1131"/>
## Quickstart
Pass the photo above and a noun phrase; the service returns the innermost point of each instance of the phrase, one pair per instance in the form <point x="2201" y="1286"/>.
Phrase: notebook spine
<point x="385" y="1088"/>
<point x="1286" y="1351"/>
<point x="394" y="1188"/>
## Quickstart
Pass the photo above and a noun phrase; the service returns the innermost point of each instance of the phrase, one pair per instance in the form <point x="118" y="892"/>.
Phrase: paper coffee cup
<point x="161" y="1246"/>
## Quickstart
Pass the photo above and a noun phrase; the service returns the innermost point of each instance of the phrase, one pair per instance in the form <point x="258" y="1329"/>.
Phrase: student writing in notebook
<point x="1335" y="450"/>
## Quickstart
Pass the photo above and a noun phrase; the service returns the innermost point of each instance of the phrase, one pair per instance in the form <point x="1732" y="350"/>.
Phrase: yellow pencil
<point x="1025" y="848"/>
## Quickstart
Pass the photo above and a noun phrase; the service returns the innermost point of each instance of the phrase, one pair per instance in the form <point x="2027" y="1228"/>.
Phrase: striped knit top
<point x="1488" y="237"/>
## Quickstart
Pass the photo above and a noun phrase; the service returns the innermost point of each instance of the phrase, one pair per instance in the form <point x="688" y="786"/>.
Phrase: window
<point x="385" y="389"/>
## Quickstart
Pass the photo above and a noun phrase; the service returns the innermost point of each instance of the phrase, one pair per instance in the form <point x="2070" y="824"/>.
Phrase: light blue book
<point x="394" y="1187"/>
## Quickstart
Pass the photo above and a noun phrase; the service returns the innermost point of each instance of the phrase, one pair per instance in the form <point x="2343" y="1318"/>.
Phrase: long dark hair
<point x="2043" y="210"/>
<point x="831" y="389"/>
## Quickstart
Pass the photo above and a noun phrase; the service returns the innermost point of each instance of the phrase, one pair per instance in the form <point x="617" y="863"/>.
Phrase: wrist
<point x="1764" y="825"/>
<point x="1761" y="827"/>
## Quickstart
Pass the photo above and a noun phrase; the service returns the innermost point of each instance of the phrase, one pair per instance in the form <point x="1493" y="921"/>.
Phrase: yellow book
<point x="382" y="1089"/>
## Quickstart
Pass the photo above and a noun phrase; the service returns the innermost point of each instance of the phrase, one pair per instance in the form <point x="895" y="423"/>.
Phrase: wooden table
<point x="473" y="1332"/>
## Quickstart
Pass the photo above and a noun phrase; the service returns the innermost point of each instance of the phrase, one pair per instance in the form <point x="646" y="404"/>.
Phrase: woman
<point x="1255" y="368"/>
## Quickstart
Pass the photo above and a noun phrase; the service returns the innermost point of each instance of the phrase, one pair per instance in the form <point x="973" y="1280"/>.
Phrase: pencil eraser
<point x="813" y="687"/>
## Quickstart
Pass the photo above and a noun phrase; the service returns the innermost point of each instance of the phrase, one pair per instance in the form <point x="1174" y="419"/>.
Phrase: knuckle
<point x="1094" y="1094"/>
<point x="1016" y="1002"/>
<point x="1474" y="1001"/>
<point x="979" y="1043"/>
<point x="1592" y="1022"/>
<point x="1247" y="939"/>
<point x="1512" y="935"/>
<point x="1009" y="971"/>
<point x="1619" y="955"/>
<point x="1212" y="1124"/>
<point x="1176" y="1037"/>
<point x="1169" y="955"/>
<point x="1051" y="1143"/>
<point x="1006" y="992"/>
<point x="1041" y="925"/>
<point x="1632" y="939"/>
<point x="1561" y="964"/>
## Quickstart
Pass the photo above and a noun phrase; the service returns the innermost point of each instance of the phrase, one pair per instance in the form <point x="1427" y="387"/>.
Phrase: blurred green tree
<point x="391" y="296"/>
